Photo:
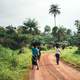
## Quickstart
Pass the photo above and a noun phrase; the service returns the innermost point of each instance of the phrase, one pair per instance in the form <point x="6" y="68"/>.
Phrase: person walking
<point x="57" y="54"/>
<point x="35" y="57"/>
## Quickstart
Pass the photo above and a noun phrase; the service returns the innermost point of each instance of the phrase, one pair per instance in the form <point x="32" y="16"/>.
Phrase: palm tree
<point x="54" y="10"/>
<point x="47" y="29"/>
<point x="31" y="26"/>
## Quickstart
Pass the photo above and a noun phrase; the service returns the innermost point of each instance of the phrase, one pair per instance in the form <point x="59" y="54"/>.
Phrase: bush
<point x="44" y="48"/>
<point x="13" y="41"/>
<point x="77" y="51"/>
<point x="63" y="46"/>
<point x="14" y="62"/>
<point x="70" y="47"/>
<point x="6" y="74"/>
<point x="12" y="65"/>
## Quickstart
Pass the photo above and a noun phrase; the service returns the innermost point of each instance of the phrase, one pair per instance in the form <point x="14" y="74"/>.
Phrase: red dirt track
<point x="48" y="70"/>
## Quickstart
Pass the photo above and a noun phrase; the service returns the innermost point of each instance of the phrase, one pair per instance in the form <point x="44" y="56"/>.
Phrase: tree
<point x="61" y="34"/>
<point x="54" y="10"/>
<point x="31" y="25"/>
<point x="47" y="29"/>
<point x="10" y="29"/>
<point x="22" y="29"/>
<point x="77" y="23"/>
<point x="68" y="32"/>
<point x="54" y="33"/>
<point x="2" y="31"/>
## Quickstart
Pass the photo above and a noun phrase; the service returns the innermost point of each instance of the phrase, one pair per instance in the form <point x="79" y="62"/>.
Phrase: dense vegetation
<point x="15" y="42"/>
<point x="12" y="39"/>
<point x="17" y="37"/>
<point x="12" y="64"/>
<point x="72" y="56"/>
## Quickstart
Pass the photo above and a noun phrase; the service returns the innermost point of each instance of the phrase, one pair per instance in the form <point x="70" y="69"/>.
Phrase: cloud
<point x="15" y="11"/>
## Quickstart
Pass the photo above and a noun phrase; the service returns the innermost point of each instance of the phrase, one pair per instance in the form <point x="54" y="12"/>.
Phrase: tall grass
<point x="69" y="55"/>
<point x="12" y="64"/>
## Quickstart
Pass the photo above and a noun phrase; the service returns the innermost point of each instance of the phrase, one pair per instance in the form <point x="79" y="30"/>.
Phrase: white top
<point x="57" y="51"/>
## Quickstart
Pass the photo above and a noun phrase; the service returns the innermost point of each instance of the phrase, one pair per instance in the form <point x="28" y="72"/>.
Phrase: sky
<point x="16" y="11"/>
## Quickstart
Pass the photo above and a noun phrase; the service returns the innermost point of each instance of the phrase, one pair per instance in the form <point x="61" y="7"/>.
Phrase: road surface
<point x="49" y="70"/>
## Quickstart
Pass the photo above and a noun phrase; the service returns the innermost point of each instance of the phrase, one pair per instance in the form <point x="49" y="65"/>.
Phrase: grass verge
<point x="14" y="66"/>
<point x="70" y="56"/>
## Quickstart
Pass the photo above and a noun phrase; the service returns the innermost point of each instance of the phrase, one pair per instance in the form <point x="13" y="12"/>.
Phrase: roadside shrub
<point x="12" y="65"/>
<point x="77" y="51"/>
<point x="49" y="46"/>
<point x="44" y="48"/>
<point x="6" y="74"/>
<point x="70" y="47"/>
<point x="14" y="62"/>
<point x="63" y="46"/>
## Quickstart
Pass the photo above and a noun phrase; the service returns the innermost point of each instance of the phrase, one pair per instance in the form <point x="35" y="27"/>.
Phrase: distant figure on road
<point x="35" y="57"/>
<point x="57" y="54"/>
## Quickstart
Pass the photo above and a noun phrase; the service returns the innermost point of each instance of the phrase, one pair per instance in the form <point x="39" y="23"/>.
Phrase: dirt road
<point x="50" y="71"/>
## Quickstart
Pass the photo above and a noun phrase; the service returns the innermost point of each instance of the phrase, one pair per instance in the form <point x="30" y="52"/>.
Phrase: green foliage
<point x="32" y="26"/>
<point x="47" y="29"/>
<point x="54" y="10"/>
<point x="61" y="34"/>
<point x="78" y="51"/>
<point x="10" y="29"/>
<point x="16" y="38"/>
<point x="70" y="47"/>
<point x="13" y="41"/>
<point x="12" y="64"/>
<point x="2" y="32"/>
<point x="46" y="38"/>
<point x="22" y="30"/>
<point x="24" y="59"/>
<point x="77" y="23"/>
<point x="70" y="55"/>
<point x="44" y="48"/>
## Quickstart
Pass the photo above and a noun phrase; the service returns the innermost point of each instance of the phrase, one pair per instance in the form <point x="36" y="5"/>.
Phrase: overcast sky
<point x="15" y="11"/>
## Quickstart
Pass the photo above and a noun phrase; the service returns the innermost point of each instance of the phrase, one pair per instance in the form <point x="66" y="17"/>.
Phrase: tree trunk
<point x="54" y="20"/>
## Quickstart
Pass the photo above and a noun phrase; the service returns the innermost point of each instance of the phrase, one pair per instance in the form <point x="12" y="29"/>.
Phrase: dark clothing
<point x="34" y="60"/>
<point x="39" y="55"/>
<point x="57" y="58"/>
